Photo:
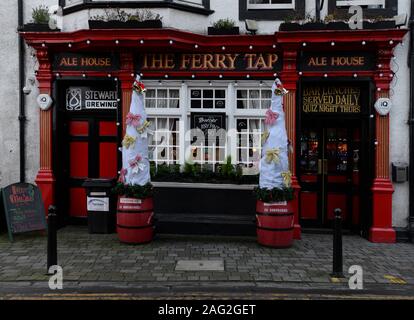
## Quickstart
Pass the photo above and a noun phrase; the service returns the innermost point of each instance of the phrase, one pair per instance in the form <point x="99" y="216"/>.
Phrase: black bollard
<point x="51" y="238"/>
<point x="337" y="246"/>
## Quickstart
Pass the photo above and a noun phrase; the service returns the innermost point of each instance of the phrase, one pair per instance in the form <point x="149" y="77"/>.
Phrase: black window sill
<point x="157" y="4"/>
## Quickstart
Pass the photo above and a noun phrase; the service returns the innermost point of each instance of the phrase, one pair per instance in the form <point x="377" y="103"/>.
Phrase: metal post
<point x="337" y="245"/>
<point x="51" y="238"/>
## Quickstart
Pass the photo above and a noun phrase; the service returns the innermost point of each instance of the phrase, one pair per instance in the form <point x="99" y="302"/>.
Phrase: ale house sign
<point x="331" y="99"/>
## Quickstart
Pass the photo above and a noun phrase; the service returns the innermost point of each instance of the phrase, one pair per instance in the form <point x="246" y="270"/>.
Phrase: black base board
<point x="403" y="235"/>
<point x="198" y="224"/>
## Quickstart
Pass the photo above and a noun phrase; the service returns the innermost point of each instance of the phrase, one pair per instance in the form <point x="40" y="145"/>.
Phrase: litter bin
<point x="101" y="205"/>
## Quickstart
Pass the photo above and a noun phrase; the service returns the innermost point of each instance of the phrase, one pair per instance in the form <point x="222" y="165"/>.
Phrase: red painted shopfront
<point x="340" y="150"/>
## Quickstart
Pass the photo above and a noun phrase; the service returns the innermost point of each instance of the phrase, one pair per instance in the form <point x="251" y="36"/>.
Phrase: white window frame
<point x="183" y="113"/>
<point x="348" y="3"/>
<point x="169" y="113"/>
<point x="270" y="5"/>
<point x="205" y="88"/>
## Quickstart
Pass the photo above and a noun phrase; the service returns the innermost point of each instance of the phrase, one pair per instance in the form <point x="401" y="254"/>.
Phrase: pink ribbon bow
<point x="271" y="117"/>
<point x="133" y="119"/>
<point x="122" y="176"/>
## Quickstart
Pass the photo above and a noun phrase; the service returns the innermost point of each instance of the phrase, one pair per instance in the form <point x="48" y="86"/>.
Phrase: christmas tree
<point x="275" y="177"/>
<point x="135" y="163"/>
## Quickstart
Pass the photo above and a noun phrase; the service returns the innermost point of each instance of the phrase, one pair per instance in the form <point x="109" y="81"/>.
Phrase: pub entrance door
<point x="335" y="163"/>
<point x="87" y="141"/>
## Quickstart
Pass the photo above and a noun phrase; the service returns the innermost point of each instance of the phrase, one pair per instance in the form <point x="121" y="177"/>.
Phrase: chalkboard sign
<point x="208" y="121"/>
<point x="23" y="207"/>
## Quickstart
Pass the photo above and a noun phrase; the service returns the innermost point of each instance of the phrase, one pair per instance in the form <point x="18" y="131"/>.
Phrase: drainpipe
<point x="22" y="115"/>
<point x="411" y="124"/>
<point x="318" y="7"/>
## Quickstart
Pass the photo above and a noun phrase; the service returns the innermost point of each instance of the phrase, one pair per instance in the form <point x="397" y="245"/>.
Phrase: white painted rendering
<point x="9" y="97"/>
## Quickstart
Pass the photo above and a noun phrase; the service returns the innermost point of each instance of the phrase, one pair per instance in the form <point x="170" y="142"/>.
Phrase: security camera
<point x="27" y="90"/>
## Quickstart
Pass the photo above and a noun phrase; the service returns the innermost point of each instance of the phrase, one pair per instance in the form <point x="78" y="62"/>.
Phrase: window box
<point x="385" y="24"/>
<point x="337" y="25"/>
<point x="38" y="27"/>
<point x="228" y="31"/>
<point x="187" y="208"/>
<point x="313" y="26"/>
<point x="148" y="24"/>
<point x="289" y="26"/>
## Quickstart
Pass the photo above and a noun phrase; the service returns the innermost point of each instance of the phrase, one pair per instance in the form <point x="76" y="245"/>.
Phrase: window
<point x="371" y="4"/>
<point x="162" y="98"/>
<point x="270" y="4"/>
<point x="164" y="144"/>
<point x="372" y="8"/>
<point x="271" y="10"/>
<point x="195" y="6"/>
<point x="208" y="99"/>
<point x="249" y="132"/>
<point x="254" y="98"/>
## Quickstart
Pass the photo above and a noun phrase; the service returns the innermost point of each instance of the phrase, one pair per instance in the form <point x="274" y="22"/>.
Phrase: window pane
<point x="208" y="104"/>
<point x="174" y="93"/>
<point x="241" y="94"/>
<point x="195" y="103"/>
<point x="220" y="94"/>
<point x="220" y="104"/>
<point x="208" y="94"/>
<point x="150" y="93"/>
<point x="162" y="103"/>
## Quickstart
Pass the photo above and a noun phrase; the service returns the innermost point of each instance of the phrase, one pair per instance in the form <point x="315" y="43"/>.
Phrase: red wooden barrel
<point x="135" y="220"/>
<point x="275" y="224"/>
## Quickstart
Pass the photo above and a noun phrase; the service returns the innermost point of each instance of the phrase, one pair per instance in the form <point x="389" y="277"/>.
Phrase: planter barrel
<point x="275" y="224"/>
<point x="135" y="220"/>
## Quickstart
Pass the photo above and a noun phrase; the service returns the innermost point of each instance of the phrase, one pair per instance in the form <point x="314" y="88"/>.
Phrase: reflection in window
<point x="164" y="145"/>
<point x="270" y="4"/>
<point x="162" y="98"/>
<point x="254" y="98"/>
<point x="208" y="98"/>
<point x="309" y="151"/>
<point x="249" y="147"/>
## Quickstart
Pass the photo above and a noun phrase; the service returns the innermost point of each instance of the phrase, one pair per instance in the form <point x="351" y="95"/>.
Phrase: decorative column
<point x="45" y="178"/>
<point x="381" y="230"/>
<point x="126" y="78"/>
<point x="290" y="78"/>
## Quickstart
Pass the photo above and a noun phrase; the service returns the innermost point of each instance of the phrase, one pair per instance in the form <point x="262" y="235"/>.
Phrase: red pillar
<point x="45" y="178"/>
<point x="289" y="78"/>
<point x="381" y="230"/>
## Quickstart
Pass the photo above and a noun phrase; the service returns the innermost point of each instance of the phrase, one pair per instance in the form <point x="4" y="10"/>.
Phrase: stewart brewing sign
<point x="85" y="98"/>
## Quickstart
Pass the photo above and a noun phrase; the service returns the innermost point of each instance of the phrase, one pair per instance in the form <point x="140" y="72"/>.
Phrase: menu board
<point x="23" y="208"/>
<point x="208" y="121"/>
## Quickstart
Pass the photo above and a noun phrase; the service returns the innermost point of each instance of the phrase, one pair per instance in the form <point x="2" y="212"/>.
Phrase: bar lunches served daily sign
<point x="86" y="98"/>
<point x="331" y="99"/>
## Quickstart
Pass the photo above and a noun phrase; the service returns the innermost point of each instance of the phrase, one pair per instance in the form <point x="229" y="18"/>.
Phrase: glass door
<point x="329" y="173"/>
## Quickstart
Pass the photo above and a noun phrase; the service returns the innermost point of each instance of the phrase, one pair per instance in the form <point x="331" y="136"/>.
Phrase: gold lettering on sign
<point x="210" y="61"/>
<point x="336" y="61"/>
<point x="339" y="99"/>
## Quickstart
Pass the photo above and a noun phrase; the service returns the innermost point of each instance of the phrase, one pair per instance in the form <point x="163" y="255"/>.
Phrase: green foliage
<point x="41" y="15"/>
<point x="195" y="173"/>
<point x="137" y="192"/>
<point x="123" y="16"/>
<point x="273" y="195"/>
<point x="293" y="17"/>
<point x="224" y="24"/>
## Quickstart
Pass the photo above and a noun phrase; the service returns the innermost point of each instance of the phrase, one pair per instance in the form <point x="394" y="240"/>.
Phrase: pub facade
<point x="339" y="142"/>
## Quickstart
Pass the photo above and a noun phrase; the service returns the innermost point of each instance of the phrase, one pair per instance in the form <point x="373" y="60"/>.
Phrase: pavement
<point x="99" y="266"/>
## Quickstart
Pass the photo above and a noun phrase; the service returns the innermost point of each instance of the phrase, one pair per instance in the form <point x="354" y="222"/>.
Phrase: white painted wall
<point x="9" y="144"/>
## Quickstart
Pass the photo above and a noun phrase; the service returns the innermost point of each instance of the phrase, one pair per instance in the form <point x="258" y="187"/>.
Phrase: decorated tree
<point x="275" y="177"/>
<point x="135" y="179"/>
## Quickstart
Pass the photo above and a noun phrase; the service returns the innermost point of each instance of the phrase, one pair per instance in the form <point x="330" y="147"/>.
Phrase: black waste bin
<point x="101" y="205"/>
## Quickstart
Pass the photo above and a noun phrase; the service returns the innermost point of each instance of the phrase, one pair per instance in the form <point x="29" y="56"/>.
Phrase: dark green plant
<point x="123" y="16"/>
<point x="227" y="169"/>
<point x="40" y="14"/>
<point x="274" y="195"/>
<point x="293" y="17"/>
<point x="136" y="191"/>
<point x="224" y="24"/>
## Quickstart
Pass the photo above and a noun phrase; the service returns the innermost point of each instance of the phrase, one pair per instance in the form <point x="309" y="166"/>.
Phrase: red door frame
<point x="382" y="42"/>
